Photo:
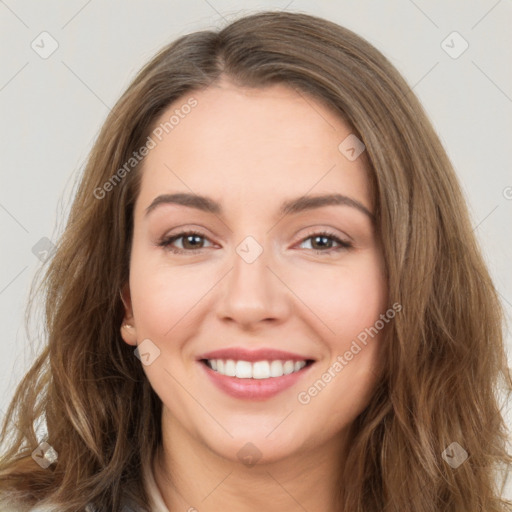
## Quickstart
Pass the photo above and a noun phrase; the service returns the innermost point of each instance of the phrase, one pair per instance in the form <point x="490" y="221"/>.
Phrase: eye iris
<point x="187" y="238"/>
<point x="322" y="244"/>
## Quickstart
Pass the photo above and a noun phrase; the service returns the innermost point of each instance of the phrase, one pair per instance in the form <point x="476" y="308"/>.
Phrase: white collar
<point x="156" y="501"/>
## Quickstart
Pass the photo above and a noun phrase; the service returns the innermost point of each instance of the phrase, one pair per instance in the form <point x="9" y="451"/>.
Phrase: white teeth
<point x="243" y="370"/>
<point x="288" y="367"/>
<point x="256" y="370"/>
<point x="229" y="368"/>
<point x="276" y="369"/>
<point x="261" y="370"/>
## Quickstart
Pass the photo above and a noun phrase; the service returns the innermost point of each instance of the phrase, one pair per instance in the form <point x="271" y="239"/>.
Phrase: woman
<point x="268" y="296"/>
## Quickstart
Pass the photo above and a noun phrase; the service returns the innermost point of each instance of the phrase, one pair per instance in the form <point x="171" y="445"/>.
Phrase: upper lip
<point x="261" y="354"/>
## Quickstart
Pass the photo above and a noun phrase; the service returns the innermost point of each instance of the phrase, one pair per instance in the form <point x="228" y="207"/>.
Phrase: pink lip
<point x="253" y="389"/>
<point x="262" y="354"/>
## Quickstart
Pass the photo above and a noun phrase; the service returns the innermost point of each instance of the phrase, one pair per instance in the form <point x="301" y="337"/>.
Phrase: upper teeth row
<point x="257" y="370"/>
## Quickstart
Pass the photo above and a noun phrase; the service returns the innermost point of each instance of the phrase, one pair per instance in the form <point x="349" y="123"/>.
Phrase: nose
<point x="252" y="293"/>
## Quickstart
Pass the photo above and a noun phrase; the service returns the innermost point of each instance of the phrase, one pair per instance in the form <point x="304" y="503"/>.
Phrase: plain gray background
<point x="52" y="107"/>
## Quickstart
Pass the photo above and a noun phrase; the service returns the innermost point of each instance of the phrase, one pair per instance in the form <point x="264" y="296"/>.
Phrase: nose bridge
<point x="252" y="292"/>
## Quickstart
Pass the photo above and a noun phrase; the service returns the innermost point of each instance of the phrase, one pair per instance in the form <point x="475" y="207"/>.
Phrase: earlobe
<point x="128" y="331"/>
<point x="129" y="334"/>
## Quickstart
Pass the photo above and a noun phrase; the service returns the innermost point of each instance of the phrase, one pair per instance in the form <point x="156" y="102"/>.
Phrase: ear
<point x="128" y="330"/>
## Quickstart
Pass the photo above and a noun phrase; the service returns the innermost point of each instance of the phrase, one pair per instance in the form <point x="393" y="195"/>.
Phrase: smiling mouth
<point x="255" y="370"/>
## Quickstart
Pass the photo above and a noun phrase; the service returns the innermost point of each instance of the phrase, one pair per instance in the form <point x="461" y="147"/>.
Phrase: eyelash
<point x="166" y="242"/>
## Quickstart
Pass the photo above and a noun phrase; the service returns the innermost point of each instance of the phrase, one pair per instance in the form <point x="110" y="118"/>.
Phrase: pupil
<point x="192" y="237"/>
<point x="321" y="238"/>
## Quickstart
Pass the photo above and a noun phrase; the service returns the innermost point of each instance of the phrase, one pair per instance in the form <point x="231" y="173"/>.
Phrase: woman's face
<point x="253" y="278"/>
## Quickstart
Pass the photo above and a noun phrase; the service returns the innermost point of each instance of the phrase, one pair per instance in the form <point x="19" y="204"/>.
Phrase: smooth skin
<point x="250" y="150"/>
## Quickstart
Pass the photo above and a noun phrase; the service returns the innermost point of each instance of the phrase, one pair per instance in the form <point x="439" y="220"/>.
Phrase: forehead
<point x="245" y="143"/>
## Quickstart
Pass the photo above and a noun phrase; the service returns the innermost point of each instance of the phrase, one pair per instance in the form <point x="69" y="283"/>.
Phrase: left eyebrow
<point x="288" y="207"/>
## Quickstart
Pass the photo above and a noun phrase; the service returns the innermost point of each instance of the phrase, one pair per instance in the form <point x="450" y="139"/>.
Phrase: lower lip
<point x="254" y="389"/>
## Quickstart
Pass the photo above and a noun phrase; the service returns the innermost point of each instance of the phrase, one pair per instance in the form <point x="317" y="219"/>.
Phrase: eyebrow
<point x="288" y="207"/>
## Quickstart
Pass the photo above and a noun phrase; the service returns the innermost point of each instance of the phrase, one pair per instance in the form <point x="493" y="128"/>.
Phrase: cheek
<point x="345" y="299"/>
<point x="360" y="301"/>
<point x="163" y="295"/>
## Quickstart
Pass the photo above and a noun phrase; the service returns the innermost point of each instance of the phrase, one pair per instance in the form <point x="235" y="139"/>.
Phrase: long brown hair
<point x="445" y="360"/>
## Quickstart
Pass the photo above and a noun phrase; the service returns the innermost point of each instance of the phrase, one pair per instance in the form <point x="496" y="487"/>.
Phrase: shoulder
<point x="9" y="503"/>
<point x="128" y="506"/>
<point x="13" y="506"/>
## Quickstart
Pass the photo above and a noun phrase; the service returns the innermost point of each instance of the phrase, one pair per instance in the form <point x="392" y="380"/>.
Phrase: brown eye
<point x="191" y="242"/>
<point x="323" y="242"/>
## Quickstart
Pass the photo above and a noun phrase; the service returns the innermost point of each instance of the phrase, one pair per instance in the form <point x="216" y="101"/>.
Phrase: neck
<point x="191" y="477"/>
